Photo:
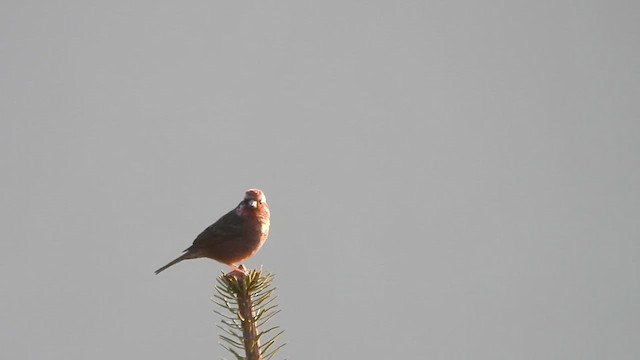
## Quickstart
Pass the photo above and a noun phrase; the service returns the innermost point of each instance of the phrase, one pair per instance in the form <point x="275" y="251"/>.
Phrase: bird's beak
<point x="253" y="203"/>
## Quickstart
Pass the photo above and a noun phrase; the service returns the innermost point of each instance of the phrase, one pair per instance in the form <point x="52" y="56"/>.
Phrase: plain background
<point x="447" y="179"/>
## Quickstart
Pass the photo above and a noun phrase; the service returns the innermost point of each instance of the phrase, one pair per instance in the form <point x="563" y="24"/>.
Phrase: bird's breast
<point x="264" y="228"/>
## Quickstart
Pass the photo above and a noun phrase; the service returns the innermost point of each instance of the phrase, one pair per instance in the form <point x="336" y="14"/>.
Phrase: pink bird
<point x="235" y="237"/>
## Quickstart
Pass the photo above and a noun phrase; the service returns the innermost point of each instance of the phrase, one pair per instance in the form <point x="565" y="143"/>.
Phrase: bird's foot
<point x="238" y="271"/>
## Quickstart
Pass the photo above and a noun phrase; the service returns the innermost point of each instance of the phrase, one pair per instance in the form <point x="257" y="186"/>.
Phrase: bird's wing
<point x="227" y="228"/>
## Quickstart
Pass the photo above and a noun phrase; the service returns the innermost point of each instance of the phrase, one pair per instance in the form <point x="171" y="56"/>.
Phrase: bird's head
<point x="254" y="198"/>
<point x="254" y="206"/>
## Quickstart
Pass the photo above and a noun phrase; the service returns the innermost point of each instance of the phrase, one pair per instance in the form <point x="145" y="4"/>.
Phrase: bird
<point x="235" y="237"/>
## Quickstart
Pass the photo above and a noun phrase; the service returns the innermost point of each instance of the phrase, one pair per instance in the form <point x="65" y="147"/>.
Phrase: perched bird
<point x="236" y="236"/>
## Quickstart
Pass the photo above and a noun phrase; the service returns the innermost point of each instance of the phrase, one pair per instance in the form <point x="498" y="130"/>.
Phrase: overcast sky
<point x="447" y="180"/>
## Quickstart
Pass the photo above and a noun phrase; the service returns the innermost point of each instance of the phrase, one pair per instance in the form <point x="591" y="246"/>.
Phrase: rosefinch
<point x="236" y="236"/>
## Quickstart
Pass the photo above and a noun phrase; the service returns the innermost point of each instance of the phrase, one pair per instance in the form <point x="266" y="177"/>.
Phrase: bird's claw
<point x="238" y="271"/>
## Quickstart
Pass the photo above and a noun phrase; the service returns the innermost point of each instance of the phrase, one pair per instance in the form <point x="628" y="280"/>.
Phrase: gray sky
<point x="447" y="180"/>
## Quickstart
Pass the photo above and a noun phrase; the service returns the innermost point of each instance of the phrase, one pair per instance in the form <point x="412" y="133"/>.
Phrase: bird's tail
<point x="184" y="256"/>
